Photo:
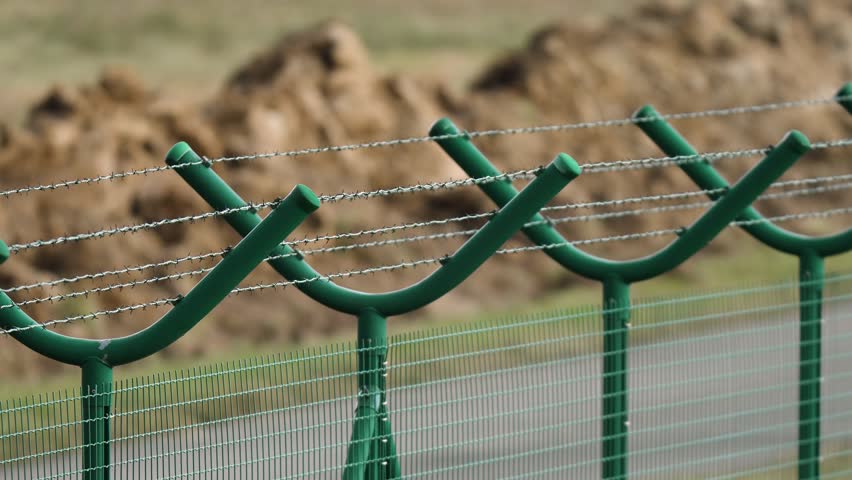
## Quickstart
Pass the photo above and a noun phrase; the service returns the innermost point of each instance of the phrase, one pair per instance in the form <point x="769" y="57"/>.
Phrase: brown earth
<point x="318" y="87"/>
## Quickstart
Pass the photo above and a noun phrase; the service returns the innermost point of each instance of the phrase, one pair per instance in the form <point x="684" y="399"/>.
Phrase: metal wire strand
<point x="414" y="264"/>
<point x="649" y="162"/>
<point x="721" y="112"/>
<point x="436" y="236"/>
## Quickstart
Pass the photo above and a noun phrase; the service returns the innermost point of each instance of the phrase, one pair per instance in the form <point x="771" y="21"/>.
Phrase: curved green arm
<point x="187" y="312"/>
<point x="454" y="270"/>
<point x="475" y="164"/>
<point x="706" y="177"/>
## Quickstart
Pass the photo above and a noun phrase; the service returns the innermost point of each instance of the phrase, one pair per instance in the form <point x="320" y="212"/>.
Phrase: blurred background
<point x="98" y="87"/>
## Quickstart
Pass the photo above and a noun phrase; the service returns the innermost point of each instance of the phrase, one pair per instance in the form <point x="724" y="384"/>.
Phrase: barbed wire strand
<point x="468" y="217"/>
<point x="427" y="237"/>
<point x="425" y="261"/>
<point x="720" y="112"/>
<point x="649" y="162"/>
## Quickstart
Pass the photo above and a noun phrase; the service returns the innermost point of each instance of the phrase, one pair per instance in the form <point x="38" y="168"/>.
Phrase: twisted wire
<point x="434" y="236"/>
<point x="721" y="112"/>
<point x="649" y="162"/>
<point x="421" y="262"/>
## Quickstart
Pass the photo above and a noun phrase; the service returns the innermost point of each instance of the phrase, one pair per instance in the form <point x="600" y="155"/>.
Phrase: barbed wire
<point x="427" y="237"/>
<point x="424" y="261"/>
<point x="649" y="162"/>
<point x="463" y="218"/>
<point x="721" y="112"/>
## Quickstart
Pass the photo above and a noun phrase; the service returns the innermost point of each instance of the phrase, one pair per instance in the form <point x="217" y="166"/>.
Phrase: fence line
<point x="363" y="271"/>
<point x="254" y="207"/>
<point x="256" y="431"/>
<point x="443" y="235"/>
<point x="371" y="451"/>
<point x="415" y="225"/>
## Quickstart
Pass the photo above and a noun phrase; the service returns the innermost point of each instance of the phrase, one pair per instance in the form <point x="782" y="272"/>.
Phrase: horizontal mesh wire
<point x="713" y="393"/>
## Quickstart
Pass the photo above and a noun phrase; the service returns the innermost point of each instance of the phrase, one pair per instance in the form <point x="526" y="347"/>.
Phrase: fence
<point x="228" y="420"/>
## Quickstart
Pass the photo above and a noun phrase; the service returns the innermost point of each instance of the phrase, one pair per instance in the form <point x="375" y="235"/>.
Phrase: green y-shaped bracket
<point x="372" y="450"/>
<point x="811" y="252"/>
<point x="98" y="357"/>
<point x="616" y="276"/>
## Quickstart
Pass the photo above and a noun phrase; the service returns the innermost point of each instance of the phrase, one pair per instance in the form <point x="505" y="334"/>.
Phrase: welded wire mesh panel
<point x="836" y="422"/>
<point x="41" y="436"/>
<point x="281" y="417"/>
<point x="713" y="393"/>
<point x="714" y="383"/>
<point x="715" y="389"/>
<point x="501" y="400"/>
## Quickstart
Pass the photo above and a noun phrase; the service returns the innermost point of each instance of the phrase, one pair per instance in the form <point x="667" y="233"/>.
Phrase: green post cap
<point x="443" y="126"/>
<point x="177" y="152"/>
<point x="567" y="166"/>
<point x="796" y="141"/>
<point x="305" y="198"/>
<point x="647" y="111"/>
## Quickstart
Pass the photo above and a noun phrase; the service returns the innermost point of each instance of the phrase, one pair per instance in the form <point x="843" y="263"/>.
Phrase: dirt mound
<point x="319" y="87"/>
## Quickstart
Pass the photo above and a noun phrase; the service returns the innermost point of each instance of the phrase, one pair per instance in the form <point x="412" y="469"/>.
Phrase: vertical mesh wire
<point x="518" y="399"/>
<point x="836" y="448"/>
<point x="714" y="390"/>
<point x="713" y="393"/>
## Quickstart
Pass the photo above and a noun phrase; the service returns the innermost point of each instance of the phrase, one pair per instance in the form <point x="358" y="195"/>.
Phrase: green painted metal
<point x="456" y="269"/>
<point x="706" y="177"/>
<point x="617" y="275"/>
<point x="97" y="405"/>
<point x="811" y="252"/>
<point x="186" y="313"/>
<point x="373" y="309"/>
<point x="97" y="357"/>
<point x="811" y="279"/>
<point x="616" y="317"/>
<point x="371" y="450"/>
<point x="358" y="456"/>
<point x="725" y="210"/>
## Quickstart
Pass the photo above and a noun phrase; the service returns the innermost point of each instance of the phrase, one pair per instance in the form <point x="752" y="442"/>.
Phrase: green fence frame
<point x="616" y="276"/>
<point x="372" y="310"/>
<point x="372" y="452"/>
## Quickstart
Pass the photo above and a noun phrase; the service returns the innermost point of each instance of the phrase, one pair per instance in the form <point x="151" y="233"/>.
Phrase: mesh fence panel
<point x="713" y="393"/>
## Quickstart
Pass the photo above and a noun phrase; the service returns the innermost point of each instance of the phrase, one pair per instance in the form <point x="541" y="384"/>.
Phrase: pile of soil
<point x="318" y="87"/>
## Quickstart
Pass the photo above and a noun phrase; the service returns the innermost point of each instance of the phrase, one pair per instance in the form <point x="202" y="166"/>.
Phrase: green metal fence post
<point x="811" y="278"/>
<point x="617" y="275"/>
<point x="363" y="432"/>
<point x="616" y="303"/>
<point x="372" y="371"/>
<point x="366" y="457"/>
<point x="97" y="405"/>
<point x="811" y="252"/>
<point x="98" y="357"/>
